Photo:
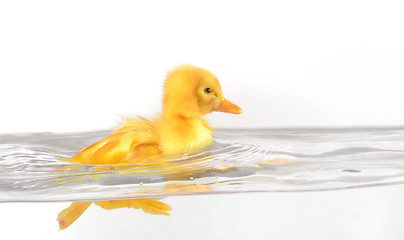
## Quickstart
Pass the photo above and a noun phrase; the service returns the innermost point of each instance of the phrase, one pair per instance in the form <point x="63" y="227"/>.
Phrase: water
<point x="261" y="160"/>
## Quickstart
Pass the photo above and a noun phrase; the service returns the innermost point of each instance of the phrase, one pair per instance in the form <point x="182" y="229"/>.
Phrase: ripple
<point x="238" y="161"/>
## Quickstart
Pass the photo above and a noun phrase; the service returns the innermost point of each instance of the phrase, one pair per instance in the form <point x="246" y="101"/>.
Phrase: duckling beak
<point x="227" y="107"/>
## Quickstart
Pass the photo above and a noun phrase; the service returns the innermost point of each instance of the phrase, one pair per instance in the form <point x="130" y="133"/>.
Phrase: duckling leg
<point x="148" y="205"/>
<point x="71" y="214"/>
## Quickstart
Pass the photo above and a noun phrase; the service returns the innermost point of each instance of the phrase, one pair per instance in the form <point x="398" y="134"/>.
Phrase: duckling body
<point x="183" y="135"/>
<point x="189" y="93"/>
<point x="140" y="138"/>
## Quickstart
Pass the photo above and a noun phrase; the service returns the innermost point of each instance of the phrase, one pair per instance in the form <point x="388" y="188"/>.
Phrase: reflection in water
<point x="238" y="161"/>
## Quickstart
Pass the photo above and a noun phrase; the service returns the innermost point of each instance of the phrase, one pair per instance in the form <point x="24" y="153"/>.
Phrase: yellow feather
<point x="189" y="93"/>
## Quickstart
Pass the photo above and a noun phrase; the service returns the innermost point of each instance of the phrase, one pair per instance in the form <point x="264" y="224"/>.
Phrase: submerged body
<point x="190" y="92"/>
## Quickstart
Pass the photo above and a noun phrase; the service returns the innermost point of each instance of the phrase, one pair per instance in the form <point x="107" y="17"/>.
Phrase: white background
<point x="80" y="65"/>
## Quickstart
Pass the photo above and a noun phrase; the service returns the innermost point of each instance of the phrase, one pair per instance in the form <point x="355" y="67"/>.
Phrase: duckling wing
<point x="134" y="141"/>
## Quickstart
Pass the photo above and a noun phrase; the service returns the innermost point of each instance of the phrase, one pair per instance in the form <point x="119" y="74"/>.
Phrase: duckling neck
<point x="180" y="134"/>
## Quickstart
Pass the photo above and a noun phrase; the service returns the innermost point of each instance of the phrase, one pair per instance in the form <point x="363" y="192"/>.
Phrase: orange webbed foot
<point x="71" y="214"/>
<point x="148" y="205"/>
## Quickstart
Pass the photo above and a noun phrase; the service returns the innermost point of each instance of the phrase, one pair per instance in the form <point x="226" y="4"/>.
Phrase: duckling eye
<point x="208" y="90"/>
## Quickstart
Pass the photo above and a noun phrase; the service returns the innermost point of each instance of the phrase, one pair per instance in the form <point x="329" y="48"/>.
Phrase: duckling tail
<point x="70" y="214"/>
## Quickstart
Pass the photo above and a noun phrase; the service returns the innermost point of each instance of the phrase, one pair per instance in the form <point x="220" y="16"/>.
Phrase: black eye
<point x="208" y="90"/>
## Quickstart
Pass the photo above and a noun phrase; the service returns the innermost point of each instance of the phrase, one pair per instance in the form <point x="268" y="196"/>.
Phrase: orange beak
<point x="227" y="107"/>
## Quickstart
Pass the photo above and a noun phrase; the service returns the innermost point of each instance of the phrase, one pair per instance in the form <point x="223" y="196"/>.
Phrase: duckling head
<point x="191" y="92"/>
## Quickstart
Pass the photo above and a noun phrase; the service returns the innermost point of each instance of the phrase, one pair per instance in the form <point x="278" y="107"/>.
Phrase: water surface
<point x="259" y="160"/>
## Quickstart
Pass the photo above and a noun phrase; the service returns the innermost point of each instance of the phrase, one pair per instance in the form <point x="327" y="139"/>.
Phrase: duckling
<point x="190" y="93"/>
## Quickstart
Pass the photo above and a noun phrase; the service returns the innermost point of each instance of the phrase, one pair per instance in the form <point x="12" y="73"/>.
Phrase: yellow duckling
<point x="189" y="93"/>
